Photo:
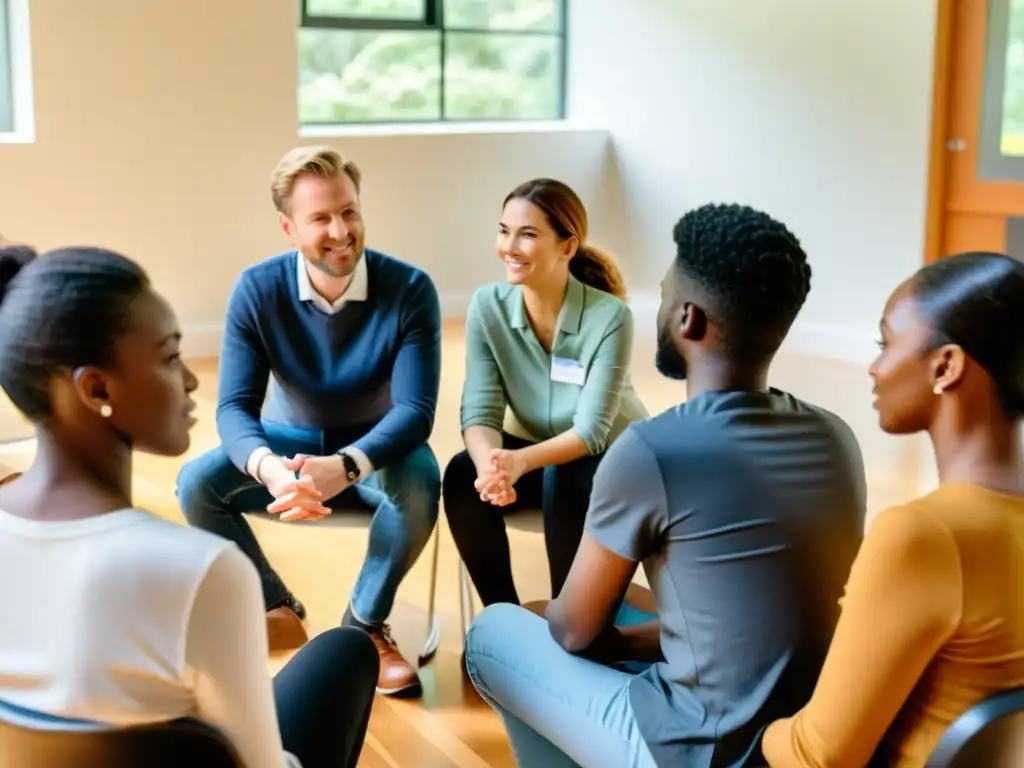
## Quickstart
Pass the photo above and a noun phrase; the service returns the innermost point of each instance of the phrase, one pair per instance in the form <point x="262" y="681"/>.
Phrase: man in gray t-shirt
<point x="746" y="508"/>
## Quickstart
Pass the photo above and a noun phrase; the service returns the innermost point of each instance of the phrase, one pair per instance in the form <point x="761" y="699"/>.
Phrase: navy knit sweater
<point x="367" y="376"/>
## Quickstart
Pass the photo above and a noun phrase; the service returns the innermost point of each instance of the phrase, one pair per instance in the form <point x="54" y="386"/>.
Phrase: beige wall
<point x="157" y="124"/>
<point x="158" y="121"/>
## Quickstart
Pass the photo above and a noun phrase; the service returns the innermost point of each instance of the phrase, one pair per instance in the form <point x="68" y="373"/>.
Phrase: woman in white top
<point x="107" y="612"/>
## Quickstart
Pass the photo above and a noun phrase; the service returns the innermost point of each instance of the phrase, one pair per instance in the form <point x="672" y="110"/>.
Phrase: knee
<point x="414" y="486"/>
<point x="496" y="626"/>
<point x="459" y="479"/>
<point x="199" y="479"/>
<point x="349" y="655"/>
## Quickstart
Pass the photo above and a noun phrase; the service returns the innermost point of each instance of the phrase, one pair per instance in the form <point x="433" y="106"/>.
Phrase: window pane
<point x="356" y="76"/>
<point x="1012" y="138"/>
<point x="368" y="9"/>
<point x="508" y="15"/>
<point x="502" y="76"/>
<point x="6" y="100"/>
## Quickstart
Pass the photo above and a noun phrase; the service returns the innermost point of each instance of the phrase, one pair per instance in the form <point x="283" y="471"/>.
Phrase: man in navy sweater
<point x="350" y="342"/>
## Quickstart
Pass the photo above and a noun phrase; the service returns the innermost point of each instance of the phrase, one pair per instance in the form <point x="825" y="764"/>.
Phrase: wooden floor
<point x="450" y="727"/>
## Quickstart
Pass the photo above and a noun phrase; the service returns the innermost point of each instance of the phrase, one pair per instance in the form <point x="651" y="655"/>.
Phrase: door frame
<point x="955" y="192"/>
<point x="938" y="154"/>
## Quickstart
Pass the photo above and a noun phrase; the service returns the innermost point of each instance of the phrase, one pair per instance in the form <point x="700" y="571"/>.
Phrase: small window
<point x="376" y="61"/>
<point x="6" y="85"/>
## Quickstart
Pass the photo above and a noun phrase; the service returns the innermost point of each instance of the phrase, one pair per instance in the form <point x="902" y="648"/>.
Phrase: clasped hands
<point x="495" y="481"/>
<point x="302" y="496"/>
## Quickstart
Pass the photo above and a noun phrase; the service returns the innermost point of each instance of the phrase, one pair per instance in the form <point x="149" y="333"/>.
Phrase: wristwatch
<point x="351" y="467"/>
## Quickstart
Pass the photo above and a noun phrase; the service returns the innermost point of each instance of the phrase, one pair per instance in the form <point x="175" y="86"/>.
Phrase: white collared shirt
<point x="358" y="287"/>
<point x="358" y="290"/>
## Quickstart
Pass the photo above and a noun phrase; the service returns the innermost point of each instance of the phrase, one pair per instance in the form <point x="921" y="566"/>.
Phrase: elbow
<point x="570" y="638"/>
<point x="483" y="419"/>
<point x="421" y="423"/>
<point x="596" y="437"/>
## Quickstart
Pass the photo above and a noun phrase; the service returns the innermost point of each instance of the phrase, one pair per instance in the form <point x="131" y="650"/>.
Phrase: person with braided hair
<point x="746" y="507"/>
<point x="933" y="616"/>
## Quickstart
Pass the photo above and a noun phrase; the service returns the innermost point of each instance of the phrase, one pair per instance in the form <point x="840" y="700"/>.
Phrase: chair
<point x="989" y="734"/>
<point x="528" y="520"/>
<point x="34" y="740"/>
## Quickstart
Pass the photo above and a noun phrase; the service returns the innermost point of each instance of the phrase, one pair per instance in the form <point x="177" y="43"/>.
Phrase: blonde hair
<point x="568" y="217"/>
<point x="319" y="161"/>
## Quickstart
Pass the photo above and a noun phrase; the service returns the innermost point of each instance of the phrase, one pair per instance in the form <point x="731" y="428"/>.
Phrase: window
<point x="1001" y="141"/>
<point x="371" y="61"/>
<point x="6" y="90"/>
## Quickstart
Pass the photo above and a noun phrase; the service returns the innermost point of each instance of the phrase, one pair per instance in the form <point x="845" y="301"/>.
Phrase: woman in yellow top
<point x="933" y="617"/>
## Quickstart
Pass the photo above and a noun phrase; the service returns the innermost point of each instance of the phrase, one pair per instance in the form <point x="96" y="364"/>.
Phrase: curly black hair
<point x="752" y="269"/>
<point x="60" y="311"/>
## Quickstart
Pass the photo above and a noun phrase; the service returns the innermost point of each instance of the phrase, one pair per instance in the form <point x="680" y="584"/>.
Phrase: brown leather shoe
<point x="397" y="676"/>
<point x="284" y="629"/>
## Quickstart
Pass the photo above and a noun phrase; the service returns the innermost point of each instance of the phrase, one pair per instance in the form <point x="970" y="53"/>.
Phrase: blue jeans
<point x="403" y="498"/>
<point x="559" y="710"/>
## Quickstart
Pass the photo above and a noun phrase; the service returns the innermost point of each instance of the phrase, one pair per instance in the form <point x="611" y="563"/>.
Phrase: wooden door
<point x="976" y="197"/>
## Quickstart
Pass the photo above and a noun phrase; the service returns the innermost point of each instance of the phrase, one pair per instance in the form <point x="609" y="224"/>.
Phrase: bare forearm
<point x="480" y="441"/>
<point x="561" y="449"/>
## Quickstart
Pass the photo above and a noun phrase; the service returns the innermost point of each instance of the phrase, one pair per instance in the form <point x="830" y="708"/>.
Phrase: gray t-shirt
<point x="747" y="509"/>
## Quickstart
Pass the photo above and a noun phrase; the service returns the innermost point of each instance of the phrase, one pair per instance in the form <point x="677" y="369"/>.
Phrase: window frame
<point x="7" y="112"/>
<point x="433" y="20"/>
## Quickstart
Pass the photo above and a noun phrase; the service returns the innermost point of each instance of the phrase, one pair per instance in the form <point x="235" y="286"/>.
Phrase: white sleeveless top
<point x="127" y="618"/>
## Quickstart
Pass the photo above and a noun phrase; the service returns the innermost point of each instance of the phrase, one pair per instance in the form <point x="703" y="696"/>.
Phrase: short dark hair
<point x="752" y="269"/>
<point x="976" y="301"/>
<point x="60" y="311"/>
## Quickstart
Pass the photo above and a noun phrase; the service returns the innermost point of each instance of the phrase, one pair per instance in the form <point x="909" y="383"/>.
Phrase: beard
<point x="667" y="359"/>
<point x="330" y="266"/>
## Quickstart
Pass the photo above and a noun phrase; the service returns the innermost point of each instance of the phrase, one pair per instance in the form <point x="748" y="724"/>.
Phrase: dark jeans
<point x="478" y="527"/>
<point x="324" y="695"/>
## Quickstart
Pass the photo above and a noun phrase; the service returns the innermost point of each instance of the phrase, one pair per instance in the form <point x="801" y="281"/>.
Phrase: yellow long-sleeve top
<point x="932" y="623"/>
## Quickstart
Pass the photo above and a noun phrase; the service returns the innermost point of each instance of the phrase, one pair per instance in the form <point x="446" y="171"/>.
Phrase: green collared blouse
<point x="583" y="384"/>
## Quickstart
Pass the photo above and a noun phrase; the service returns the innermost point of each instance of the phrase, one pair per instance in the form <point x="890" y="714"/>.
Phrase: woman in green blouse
<point x="547" y="387"/>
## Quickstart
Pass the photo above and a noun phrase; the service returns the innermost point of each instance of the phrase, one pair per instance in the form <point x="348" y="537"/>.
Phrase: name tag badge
<point x="566" y="371"/>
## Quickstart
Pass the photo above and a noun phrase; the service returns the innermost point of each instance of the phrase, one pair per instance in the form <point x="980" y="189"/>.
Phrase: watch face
<point x="351" y="468"/>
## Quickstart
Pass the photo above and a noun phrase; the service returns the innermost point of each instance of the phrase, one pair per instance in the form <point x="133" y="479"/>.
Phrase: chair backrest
<point x="34" y="740"/>
<point x="989" y="734"/>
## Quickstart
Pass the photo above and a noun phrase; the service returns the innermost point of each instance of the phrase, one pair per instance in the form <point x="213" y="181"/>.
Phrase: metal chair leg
<point x="467" y="610"/>
<point x="433" y="623"/>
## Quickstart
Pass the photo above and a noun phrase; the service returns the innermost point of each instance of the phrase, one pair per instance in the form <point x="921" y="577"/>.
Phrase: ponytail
<point x="598" y="269"/>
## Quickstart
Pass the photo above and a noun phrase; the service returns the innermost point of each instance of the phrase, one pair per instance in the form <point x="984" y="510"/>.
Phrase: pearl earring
<point x="937" y="389"/>
<point x="106" y="411"/>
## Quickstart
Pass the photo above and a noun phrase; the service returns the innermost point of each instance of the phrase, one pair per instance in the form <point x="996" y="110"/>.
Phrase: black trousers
<point x="478" y="527"/>
<point x="324" y="695"/>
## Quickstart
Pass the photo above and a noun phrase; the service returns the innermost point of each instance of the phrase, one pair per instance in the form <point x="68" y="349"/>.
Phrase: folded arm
<point x="602" y="391"/>
<point x="626" y="514"/>
<point x="483" y="393"/>
<point x="244" y="374"/>
<point x="902" y="603"/>
<point x="415" y="380"/>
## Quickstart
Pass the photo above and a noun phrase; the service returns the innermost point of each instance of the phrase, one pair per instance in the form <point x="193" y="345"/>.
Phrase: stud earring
<point x="937" y="389"/>
<point x="106" y="411"/>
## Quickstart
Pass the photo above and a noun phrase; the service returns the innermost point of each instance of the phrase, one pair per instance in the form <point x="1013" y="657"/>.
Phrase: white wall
<point x="817" y="111"/>
<point x="157" y="126"/>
